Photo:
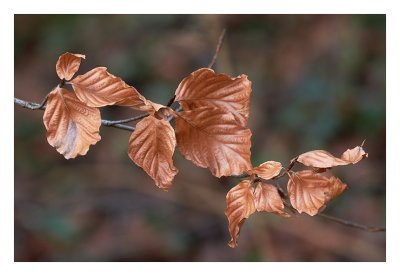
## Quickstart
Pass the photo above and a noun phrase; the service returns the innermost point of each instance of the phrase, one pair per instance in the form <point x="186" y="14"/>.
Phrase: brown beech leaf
<point x="212" y="139"/>
<point x="354" y="155"/>
<point x="68" y="64"/>
<point x="267" y="170"/>
<point x="337" y="187"/>
<point x="151" y="147"/>
<point x="204" y="88"/>
<point x="267" y="199"/>
<point x="324" y="159"/>
<point x="309" y="192"/>
<point x="239" y="206"/>
<point x="71" y="125"/>
<point x="99" y="88"/>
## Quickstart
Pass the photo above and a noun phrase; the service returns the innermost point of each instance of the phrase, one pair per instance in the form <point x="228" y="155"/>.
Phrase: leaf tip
<point x="232" y="244"/>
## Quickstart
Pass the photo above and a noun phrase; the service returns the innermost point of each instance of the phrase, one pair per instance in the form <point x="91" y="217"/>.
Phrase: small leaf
<point x="309" y="192"/>
<point x="240" y="205"/>
<point x="324" y="159"/>
<point x="204" y="88"/>
<point x="71" y="125"/>
<point x="68" y="64"/>
<point x="212" y="139"/>
<point x="99" y="88"/>
<point x="354" y="155"/>
<point x="151" y="147"/>
<point x="267" y="199"/>
<point x="267" y="170"/>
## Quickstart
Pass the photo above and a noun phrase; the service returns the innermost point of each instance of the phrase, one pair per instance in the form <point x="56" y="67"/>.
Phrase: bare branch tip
<point x="218" y="48"/>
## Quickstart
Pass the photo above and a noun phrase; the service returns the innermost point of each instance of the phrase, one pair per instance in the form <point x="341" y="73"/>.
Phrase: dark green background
<point x="318" y="83"/>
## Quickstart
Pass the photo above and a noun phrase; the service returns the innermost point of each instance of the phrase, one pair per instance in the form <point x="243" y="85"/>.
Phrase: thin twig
<point x="108" y="123"/>
<point x="353" y="224"/>
<point x="218" y="48"/>
<point x="171" y="117"/>
<point x="30" y="105"/>
<point x="171" y="101"/>
<point x="136" y="118"/>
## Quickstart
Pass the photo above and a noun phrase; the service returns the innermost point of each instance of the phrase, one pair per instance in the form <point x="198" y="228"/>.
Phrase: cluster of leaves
<point x="211" y="131"/>
<point x="308" y="190"/>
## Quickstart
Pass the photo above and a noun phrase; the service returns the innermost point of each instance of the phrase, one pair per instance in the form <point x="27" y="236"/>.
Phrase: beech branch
<point x="120" y="125"/>
<point x="116" y="124"/>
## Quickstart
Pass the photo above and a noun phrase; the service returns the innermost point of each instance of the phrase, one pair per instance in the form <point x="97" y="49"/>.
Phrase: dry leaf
<point x="324" y="159"/>
<point x="337" y="187"/>
<point x="267" y="199"/>
<point x="99" y="88"/>
<point x="154" y="106"/>
<point x="240" y="205"/>
<point x="68" y="64"/>
<point x="354" y="155"/>
<point x="151" y="147"/>
<point x="320" y="159"/>
<point x="204" y="88"/>
<point x="71" y="125"/>
<point x="212" y="139"/>
<point x="267" y="170"/>
<point x="309" y="191"/>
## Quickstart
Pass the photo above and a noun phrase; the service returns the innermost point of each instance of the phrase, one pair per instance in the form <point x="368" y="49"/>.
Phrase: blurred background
<point x="318" y="83"/>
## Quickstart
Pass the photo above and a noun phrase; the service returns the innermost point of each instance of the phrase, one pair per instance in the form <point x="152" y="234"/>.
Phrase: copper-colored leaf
<point x="354" y="155"/>
<point x="68" y="64"/>
<point x="320" y="159"/>
<point x="71" y="125"/>
<point x="239" y="206"/>
<point x="204" y="88"/>
<point x="309" y="191"/>
<point x="324" y="159"/>
<point x="212" y="139"/>
<point x="99" y="88"/>
<point x="151" y="147"/>
<point x="267" y="170"/>
<point x="337" y="187"/>
<point x="267" y="199"/>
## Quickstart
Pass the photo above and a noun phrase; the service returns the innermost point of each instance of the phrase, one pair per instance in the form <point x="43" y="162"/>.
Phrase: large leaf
<point x="240" y="205"/>
<point x="99" y="88"/>
<point x="151" y="147"/>
<point x="267" y="170"/>
<point x="71" y="125"/>
<point x="212" y="139"/>
<point x="67" y="65"/>
<point x="204" y="88"/>
<point x="324" y="159"/>
<point x="267" y="199"/>
<point x="309" y="191"/>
